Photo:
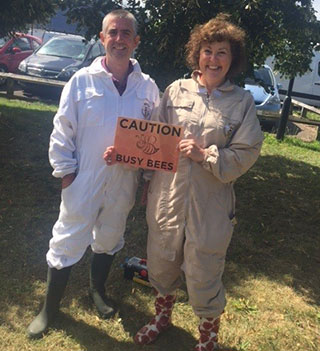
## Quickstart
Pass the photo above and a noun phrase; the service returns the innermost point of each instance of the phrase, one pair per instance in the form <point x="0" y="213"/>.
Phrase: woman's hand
<point x="110" y="155"/>
<point x="189" y="148"/>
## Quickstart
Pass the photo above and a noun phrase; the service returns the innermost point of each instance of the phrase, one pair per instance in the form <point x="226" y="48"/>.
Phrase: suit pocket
<point x="91" y="107"/>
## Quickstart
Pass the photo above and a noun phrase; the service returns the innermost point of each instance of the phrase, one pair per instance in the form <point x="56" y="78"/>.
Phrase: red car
<point x="15" y="49"/>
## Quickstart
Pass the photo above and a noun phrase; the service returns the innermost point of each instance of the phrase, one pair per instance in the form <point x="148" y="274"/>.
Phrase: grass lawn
<point x="272" y="274"/>
<point x="313" y="116"/>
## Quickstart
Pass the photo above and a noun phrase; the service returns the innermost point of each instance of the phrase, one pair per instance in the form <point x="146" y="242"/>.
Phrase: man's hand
<point x="110" y="155"/>
<point x="67" y="180"/>
<point x="189" y="148"/>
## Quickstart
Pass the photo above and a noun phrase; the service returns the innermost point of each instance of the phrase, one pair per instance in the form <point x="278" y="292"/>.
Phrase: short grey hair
<point x="120" y="14"/>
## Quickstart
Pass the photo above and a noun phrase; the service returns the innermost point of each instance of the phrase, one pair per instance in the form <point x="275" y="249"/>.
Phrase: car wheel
<point x="3" y="80"/>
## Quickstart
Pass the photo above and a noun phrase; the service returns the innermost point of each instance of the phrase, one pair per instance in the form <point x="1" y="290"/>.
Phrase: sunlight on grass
<point x="272" y="314"/>
<point x="33" y="106"/>
<point x="313" y="116"/>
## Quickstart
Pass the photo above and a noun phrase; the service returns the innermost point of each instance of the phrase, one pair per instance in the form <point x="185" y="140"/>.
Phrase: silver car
<point x="265" y="90"/>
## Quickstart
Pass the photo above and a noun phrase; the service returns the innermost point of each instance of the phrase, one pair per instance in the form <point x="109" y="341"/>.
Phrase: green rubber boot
<point x="56" y="283"/>
<point x="100" y="268"/>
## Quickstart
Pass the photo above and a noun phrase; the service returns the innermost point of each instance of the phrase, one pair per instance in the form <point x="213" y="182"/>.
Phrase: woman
<point x="191" y="213"/>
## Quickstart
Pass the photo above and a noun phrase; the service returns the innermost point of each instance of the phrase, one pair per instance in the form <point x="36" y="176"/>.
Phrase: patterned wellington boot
<point x="159" y="323"/>
<point x="209" y="329"/>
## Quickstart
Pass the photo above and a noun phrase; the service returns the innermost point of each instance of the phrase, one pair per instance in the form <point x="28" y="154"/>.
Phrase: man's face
<point x="119" y="39"/>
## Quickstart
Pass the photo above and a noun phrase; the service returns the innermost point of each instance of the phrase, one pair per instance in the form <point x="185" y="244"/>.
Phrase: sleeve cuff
<point x="62" y="173"/>
<point x="211" y="157"/>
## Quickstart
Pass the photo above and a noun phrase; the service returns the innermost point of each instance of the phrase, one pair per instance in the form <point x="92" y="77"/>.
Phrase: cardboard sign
<point x="147" y="144"/>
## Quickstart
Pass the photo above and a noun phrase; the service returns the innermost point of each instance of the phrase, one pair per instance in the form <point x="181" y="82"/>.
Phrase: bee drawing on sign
<point x="147" y="144"/>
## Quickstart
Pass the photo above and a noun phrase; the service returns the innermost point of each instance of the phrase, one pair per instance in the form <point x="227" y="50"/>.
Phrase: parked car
<point x="15" y="49"/>
<point x="265" y="90"/>
<point x="60" y="57"/>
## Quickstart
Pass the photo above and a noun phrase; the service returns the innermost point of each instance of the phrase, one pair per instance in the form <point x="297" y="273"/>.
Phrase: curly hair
<point x="218" y="29"/>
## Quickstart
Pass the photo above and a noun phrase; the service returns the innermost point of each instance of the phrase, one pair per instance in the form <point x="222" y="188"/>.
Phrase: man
<point x="96" y="199"/>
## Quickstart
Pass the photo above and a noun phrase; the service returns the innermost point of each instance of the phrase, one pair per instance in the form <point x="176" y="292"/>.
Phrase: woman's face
<point x="214" y="62"/>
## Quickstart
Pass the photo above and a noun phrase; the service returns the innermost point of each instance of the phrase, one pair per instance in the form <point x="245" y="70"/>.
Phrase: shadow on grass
<point x="277" y="236"/>
<point x="93" y="339"/>
<point x="45" y="94"/>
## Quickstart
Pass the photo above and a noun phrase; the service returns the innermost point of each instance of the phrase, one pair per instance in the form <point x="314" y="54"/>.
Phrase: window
<point x="263" y="75"/>
<point x="35" y="44"/>
<point x="2" y="42"/>
<point x="102" y="49"/>
<point x="75" y="49"/>
<point x="21" y="43"/>
<point x="95" y="51"/>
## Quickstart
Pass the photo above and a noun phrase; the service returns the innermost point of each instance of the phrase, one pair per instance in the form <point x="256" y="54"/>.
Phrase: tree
<point x="18" y="15"/>
<point x="284" y="28"/>
<point x="88" y="14"/>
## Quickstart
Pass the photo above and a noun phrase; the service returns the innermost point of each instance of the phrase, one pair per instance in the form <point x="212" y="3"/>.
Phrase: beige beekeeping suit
<point x="191" y="213"/>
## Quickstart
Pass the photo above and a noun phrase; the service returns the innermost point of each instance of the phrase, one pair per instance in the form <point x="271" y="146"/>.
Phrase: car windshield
<point x="262" y="76"/>
<point x="75" y="49"/>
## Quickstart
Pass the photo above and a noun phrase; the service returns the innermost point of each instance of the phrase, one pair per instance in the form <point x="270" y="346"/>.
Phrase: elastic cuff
<point x="211" y="157"/>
